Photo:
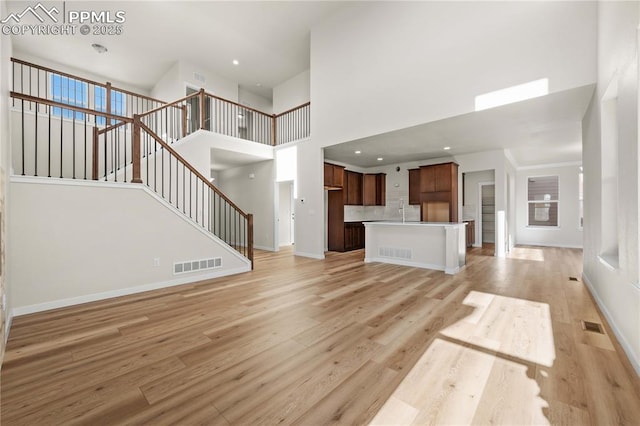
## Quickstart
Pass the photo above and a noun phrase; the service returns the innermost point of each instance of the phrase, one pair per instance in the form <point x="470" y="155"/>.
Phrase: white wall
<point x="82" y="73"/>
<point x="292" y="93"/>
<point x="616" y="290"/>
<point x="382" y="66"/>
<point x="310" y="204"/>
<point x="254" y="195"/>
<point x="254" y="101"/>
<point x="168" y="88"/>
<point x="172" y="85"/>
<point x="100" y="242"/>
<point x="5" y="170"/>
<point x="569" y="232"/>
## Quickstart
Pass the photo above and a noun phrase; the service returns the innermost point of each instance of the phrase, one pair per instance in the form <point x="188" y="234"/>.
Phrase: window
<point x="543" y="201"/>
<point x="118" y="102"/>
<point x="71" y="92"/>
<point x="581" y="198"/>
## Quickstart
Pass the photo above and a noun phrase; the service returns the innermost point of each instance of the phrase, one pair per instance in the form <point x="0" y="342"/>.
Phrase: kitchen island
<point x="430" y="245"/>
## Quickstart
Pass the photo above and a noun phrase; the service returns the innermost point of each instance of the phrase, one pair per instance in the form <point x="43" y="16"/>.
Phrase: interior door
<point x="286" y="215"/>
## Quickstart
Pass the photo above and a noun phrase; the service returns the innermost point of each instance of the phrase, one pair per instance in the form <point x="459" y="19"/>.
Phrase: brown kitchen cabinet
<point x="353" y="236"/>
<point x="374" y="189"/>
<point x="414" y="187"/>
<point x="335" y="221"/>
<point x="471" y="232"/>
<point x="439" y="193"/>
<point x="333" y="176"/>
<point x="352" y="191"/>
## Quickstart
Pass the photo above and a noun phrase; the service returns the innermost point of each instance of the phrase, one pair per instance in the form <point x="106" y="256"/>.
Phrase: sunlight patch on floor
<point x="527" y="253"/>
<point x="481" y="370"/>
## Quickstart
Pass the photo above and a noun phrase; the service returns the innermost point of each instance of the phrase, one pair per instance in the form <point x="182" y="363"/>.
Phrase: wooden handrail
<point x="292" y="109"/>
<point x="112" y="127"/>
<point x="237" y="104"/>
<point x="172" y="104"/>
<point x="165" y="104"/>
<point x="88" y="111"/>
<point x="85" y="80"/>
<point x="187" y="164"/>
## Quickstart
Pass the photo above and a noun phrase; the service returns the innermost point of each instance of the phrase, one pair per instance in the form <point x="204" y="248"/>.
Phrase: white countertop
<point x="401" y="223"/>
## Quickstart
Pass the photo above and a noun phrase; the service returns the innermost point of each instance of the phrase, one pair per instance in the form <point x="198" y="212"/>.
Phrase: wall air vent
<point x="394" y="253"/>
<point x="196" y="265"/>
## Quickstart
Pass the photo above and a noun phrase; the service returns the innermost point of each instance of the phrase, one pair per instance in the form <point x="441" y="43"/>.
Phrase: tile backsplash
<point x="391" y="211"/>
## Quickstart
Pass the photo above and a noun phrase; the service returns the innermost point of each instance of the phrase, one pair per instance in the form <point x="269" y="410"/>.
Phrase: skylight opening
<point x="521" y="92"/>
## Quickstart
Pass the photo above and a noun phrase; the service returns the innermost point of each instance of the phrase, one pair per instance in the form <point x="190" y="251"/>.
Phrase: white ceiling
<point x="537" y="131"/>
<point x="270" y="39"/>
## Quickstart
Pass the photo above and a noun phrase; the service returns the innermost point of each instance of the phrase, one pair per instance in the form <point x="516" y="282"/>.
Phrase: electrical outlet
<point x="156" y="261"/>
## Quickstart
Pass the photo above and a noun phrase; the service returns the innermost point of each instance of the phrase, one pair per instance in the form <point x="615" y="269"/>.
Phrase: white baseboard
<point x="633" y="357"/>
<point x="407" y="263"/>
<point x="265" y="248"/>
<point x="311" y="255"/>
<point x="539" y="244"/>
<point x="61" y="303"/>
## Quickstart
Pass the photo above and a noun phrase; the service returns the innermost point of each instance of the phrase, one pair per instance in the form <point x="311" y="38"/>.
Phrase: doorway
<point x="487" y="202"/>
<point x="286" y="214"/>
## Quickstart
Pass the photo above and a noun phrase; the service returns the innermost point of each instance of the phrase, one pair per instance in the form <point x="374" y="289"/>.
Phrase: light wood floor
<point x="308" y="342"/>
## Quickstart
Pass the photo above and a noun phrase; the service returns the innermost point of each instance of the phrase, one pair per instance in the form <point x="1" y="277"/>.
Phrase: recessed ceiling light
<point x="358" y="152"/>
<point x="380" y="158"/>
<point x="447" y="148"/>
<point x="258" y="84"/>
<point x="99" y="48"/>
<point x="235" y="62"/>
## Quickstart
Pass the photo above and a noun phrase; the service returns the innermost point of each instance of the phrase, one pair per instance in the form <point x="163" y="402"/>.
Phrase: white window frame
<point x="529" y="202"/>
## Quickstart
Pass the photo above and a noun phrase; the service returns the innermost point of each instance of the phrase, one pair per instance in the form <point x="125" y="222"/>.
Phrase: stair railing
<point x="170" y="176"/>
<point x="292" y="125"/>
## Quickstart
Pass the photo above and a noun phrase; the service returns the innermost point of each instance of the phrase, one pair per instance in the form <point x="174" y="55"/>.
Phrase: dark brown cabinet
<point x="353" y="236"/>
<point x="333" y="176"/>
<point x="471" y="232"/>
<point x="374" y="189"/>
<point x="352" y="188"/>
<point x="335" y="221"/>
<point x="439" y="193"/>
<point x="414" y="187"/>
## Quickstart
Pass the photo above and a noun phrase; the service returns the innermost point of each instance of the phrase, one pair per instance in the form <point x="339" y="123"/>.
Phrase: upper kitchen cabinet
<point x="352" y="188"/>
<point x="414" y="187"/>
<point x="439" y="193"/>
<point x="333" y="176"/>
<point x="374" y="189"/>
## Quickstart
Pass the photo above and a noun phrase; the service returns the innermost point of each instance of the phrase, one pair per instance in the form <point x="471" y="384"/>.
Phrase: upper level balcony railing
<point x="171" y="123"/>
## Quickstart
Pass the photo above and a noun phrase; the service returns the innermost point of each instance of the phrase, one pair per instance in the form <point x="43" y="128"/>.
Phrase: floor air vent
<point x="573" y="279"/>
<point x="592" y="326"/>
<point x="395" y="253"/>
<point x="196" y="265"/>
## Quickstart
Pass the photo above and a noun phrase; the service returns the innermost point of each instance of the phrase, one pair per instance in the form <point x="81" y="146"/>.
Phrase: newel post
<point x="108" y="100"/>
<point x="274" y="132"/>
<point x="135" y="154"/>
<point x="202" y="114"/>
<point x="95" y="166"/>
<point x="250" y="238"/>
<point x="184" y="121"/>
